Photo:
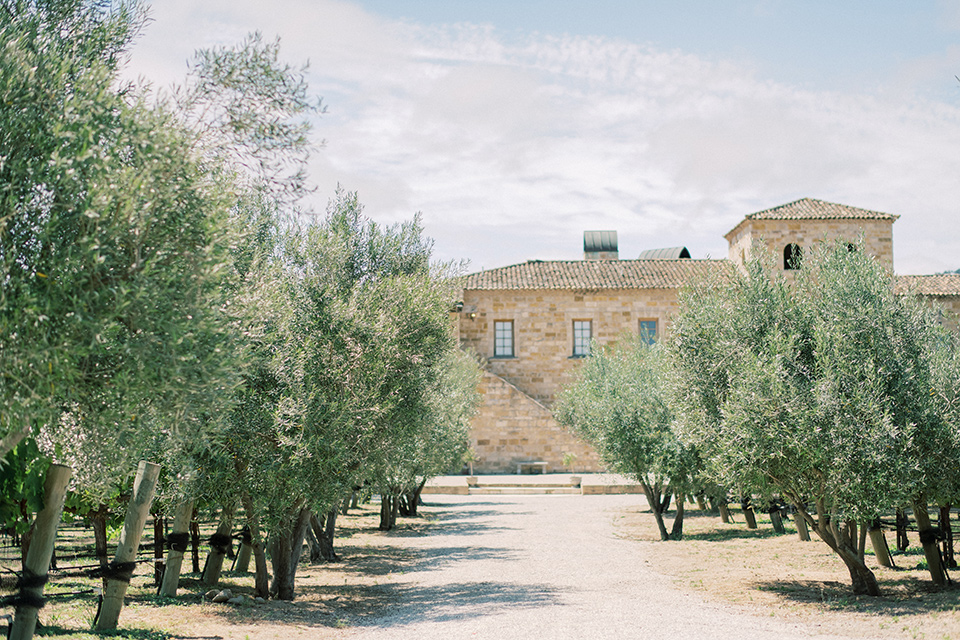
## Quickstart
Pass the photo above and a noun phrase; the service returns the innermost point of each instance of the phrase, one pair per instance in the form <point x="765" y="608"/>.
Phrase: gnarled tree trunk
<point x="659" y="500"/>
<point x="324" y="533"/>
<point x="285" y="549"/>
<point x="261" y="578"/>
<point x="840" y="540"/>
<point x="389" y="509"/>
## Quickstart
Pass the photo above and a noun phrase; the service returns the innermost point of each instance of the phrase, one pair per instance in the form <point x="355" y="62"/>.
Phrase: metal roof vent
<point x="600" y="245"/>
<point x="671" y="253"/>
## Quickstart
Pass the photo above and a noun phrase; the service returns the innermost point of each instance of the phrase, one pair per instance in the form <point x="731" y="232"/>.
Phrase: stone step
<point x="533" y="485"/>
<point x="523" y="490"/>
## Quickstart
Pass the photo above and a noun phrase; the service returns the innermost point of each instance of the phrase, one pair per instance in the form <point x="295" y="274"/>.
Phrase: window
<point x="582" y="332"/>
<point x="503" y="339"/>
<point x="792" y="256"/>
<point x="648" y="331"/>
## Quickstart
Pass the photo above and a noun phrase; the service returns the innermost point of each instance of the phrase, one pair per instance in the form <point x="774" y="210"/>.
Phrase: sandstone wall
<point x="951" y="310"/>
<point x="514" y="422"/>
<point x="777" y="234"/>
<point x="543" y="329"/>
<point x="512" y="427"/>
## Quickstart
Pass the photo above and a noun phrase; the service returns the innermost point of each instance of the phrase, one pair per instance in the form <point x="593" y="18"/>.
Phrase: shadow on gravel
<point x="381" y="561"/>
<point x="448" y="602"/>
<point x="492" y="504"/>
<point x="447" y="520"/>
<point x="901" y="596"/>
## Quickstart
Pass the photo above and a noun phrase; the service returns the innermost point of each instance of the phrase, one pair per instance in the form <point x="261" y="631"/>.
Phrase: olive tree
<point x="347" y="358"/>
<point x="818" y="390"/>
<point x="440" y="437"/>
<point x="113" y="241"/>
<point x="619" y="403"/>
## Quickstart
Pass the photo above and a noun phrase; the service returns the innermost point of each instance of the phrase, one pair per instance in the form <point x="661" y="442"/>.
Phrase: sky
<point x="512" y="126"/>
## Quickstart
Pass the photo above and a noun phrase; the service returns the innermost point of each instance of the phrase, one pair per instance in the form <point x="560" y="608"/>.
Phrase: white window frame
<point x="504" y="345"/>
<point x="582" y="335"/>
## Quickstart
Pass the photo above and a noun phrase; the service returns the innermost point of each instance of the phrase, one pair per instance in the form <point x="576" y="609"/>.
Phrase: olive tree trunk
<point x="261" y="580"/>
<point x="98" y="520"/>
<point x="724" y="511"/>
<point x="659" y="498"/>
<point x="285" y="549"/>
<point x="841" y="541"/>
<point x="802" y="532"/>
<point x="947" y="528"/>
<point x="389" y="509"/>
<point x="324" y="533"/>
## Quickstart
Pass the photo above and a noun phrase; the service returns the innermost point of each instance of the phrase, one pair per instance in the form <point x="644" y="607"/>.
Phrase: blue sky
<point x="513" y="126"/>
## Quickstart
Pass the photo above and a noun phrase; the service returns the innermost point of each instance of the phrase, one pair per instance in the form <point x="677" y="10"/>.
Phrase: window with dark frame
<point x="582" y="333"/>
<point x="648" y="331"/>
<point x="503" y="339"/>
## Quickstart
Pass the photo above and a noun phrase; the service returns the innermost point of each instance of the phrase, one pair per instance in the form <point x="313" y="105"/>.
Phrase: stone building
<point x="533" y="322"/>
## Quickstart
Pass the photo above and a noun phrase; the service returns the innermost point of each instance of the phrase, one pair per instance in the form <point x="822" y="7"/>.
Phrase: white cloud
<point x="511" y="147"/>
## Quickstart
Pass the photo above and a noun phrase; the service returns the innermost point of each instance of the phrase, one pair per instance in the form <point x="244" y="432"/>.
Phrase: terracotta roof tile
<point x="595" y="274"/>
<point x="811" y="209"/>
<point x="945" y="284"/>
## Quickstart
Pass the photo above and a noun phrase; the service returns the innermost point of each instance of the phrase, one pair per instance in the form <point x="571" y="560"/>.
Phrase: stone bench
<point x="532" y="464"/>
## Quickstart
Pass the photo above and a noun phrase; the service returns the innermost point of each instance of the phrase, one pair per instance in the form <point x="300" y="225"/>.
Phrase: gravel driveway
<point x="544" y="566"/>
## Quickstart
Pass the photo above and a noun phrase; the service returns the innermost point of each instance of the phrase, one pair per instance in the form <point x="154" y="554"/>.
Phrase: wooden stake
<point x="930" y="547"/>
<point x="724" y="511"/>
<point x="879" y="543"/>
<point x="242" y="563"/>
<point x="181" y="525"/>
<point x="41" y="548"/>
<point x="214" y="564"/>
<point x="802" y="532"/>
<point x="144" y="486"/>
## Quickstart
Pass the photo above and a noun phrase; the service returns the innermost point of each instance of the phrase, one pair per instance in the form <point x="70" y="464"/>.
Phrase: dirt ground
<point x="788" y="578"/>
<point x="768" y="574"/>
<point x="329" y="596"/>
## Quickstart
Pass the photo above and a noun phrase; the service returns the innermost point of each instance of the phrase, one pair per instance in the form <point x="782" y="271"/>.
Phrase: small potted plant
<point x="568" y="460"/>
<point x="469" y="456"/>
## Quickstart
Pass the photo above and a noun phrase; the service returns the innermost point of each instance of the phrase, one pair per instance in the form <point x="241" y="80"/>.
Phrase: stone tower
<point x="791" y="229"/>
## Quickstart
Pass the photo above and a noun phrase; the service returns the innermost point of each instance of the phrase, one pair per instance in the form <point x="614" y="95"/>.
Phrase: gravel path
<point x="541" y="566"/>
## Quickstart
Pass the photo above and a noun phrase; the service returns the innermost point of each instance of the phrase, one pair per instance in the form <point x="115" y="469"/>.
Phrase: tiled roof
<point x="946" y="284"/>
<point x="595" y="274"/>
<point x="811" y="209"/>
